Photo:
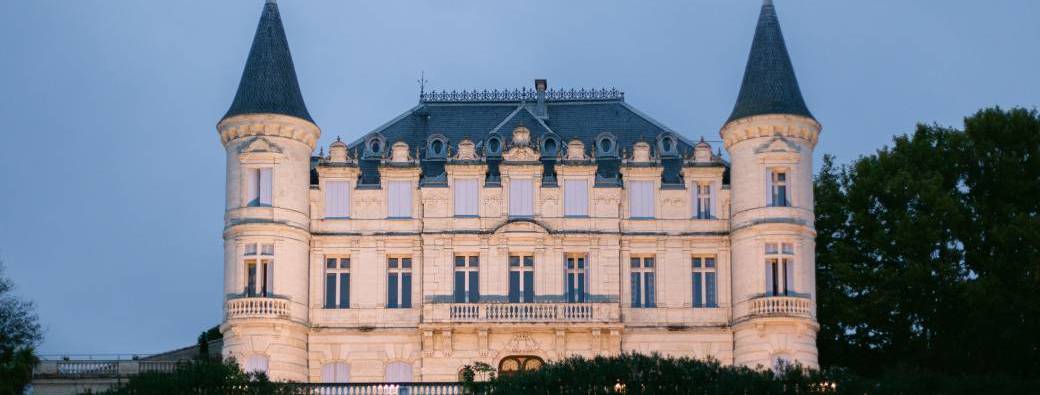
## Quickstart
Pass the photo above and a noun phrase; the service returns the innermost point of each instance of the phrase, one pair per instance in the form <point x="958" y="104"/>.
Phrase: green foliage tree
<point x="19" y="335"/>
<point x="928" y="252"/>
<point x="202" y="377"/>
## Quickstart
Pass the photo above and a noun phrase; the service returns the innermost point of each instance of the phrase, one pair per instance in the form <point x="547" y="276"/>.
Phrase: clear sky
<point x="112" y="175"/>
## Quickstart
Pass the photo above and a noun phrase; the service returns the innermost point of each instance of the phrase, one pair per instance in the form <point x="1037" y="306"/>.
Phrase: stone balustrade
<point x="257" y="308"/>
<point x="522" y="312"/>
<point x="789" y="306"/>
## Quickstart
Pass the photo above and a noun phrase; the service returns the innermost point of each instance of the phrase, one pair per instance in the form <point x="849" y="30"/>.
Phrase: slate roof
<point x="770" y="85"/>
<point x="269" y="84"/>
<point x="566" y="118"/>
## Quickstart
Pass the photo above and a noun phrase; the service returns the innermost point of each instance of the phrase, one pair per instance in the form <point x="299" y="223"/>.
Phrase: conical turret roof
<point x="770" y="86"/>
<point x="269" y="84"/>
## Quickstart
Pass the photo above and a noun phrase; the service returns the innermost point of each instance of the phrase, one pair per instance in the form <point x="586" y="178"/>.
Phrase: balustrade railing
<point x="525" y="312"/>
<point x="782" y="306"/>
<point x="257" y="308"/>
<point x="377" y="389"/>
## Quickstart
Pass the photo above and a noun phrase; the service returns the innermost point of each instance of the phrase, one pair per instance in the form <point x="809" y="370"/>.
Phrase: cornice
<point x="274" y="125"/>
<point x="790" y="126"/>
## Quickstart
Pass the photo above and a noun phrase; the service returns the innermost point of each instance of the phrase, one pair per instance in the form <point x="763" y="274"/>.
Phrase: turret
<point x="770" y="137"/>
<point x="269" y="137"/>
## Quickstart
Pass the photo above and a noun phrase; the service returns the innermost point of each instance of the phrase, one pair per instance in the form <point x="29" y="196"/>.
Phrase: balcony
<point x="257" y="307"/>
<point x="784" y="306"/>
<point x="522" y="312"/>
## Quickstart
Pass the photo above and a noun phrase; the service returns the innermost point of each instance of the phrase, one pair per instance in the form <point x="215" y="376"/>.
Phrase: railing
<point x="87" y="368"/>
<point x="783" y="306"/>
<point x="257" y="308"/>
<point x="520" y="95"/>
<point x="99" y="367"/>
<point x="524" y="312"/>
<point x="378" y="389"/>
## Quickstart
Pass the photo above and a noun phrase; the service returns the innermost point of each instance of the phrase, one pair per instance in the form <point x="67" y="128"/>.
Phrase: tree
<point x="19" y="335"/>
<point x="928" y="253"/>
<point x="202" y="376"/>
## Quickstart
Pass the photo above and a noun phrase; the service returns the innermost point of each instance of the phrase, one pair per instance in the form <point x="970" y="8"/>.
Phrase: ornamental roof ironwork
<point x="519" y="95"/>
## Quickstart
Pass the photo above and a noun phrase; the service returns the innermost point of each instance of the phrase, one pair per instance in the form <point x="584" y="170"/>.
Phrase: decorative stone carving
<point x="338" y="152"/>
<point x="522" y="343"/>
<point x="466" y="150"/>
<point x="576" y="150"/>
<point x="641" y="152"/>
<point x="777" y="144"/>
<point x="521" y="136"/>
<point x="399" y="153"/>
<point x="702" y="152"/>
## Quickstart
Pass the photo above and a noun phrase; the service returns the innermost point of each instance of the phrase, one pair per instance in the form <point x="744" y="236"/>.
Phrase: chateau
<point x="515" y="228"/>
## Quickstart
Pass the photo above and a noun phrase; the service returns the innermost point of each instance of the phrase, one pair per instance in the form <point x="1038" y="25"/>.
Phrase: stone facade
<point x="288" y="312"/>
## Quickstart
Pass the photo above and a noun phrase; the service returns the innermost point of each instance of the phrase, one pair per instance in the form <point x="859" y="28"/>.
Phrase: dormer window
<point x="494" y="145"/>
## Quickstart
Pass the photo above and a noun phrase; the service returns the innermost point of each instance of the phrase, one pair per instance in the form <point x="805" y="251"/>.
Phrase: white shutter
<point x="399" y="199"/>
<point x="252" y="186"/>
<point x="576" y="198"/>
<point x="696" y="200"/>
<point x="521" y="196"/>
<point x="466" y="197"/>
<point x="769" y="187"/>
<point x="769" y="278"/>
<point x="338" y="372"/>
<point x="270" y="278"/>
<point x="398" y="372"/>
<point x="328" y="373"/>
<point x="713" y="205"/>
<point x="337" y="199"/>
<point x="256" y="363"/>
<point x="789" y="275"/>
<point x="342" y="372"/>
<point x="265" y="186"/>
<point x="641" y="199"/>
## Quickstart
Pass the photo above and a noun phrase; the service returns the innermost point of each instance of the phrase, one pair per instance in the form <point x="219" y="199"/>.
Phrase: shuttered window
<point x="338" y="372"/>
<point x="255" y="363"/>
<point x="576" y="198"/>
<point x="399" y="372"/>
<point x="337" y="199"/>
<point x="258" y="186"/>
<point x="466" y="197"/>
<point x="641" y="199"/>
<point x="521" y="197"/>
<point x="399" y="199"/>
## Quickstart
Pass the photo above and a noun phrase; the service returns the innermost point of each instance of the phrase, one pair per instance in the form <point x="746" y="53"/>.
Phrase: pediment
<point x="260" y="145"/>
<point x="522" y="226"/>
<point x="520" y="154"/>
<point x="778" y="144"/>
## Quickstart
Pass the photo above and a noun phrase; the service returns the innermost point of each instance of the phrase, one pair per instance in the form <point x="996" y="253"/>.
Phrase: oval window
<point x="605" y="145"/>
<point x="438" y="147"/>
<point x="666" y="144"/>
<point x="550" y="146"/>
<point x="375" y="146"/>
<point x="494" y="145"/>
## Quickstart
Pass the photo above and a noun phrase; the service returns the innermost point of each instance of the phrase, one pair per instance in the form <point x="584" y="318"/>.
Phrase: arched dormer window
<point x="550" y="146"/>
<point x="437" y="147"/>
<point x="494" y="145"/>
<point x="606" y="144"/>
<point x="375" y="145"/>
<point x="667" y="145"/>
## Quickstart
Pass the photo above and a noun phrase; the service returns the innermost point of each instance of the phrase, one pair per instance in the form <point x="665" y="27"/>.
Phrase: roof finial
<point x="338" y="140"/>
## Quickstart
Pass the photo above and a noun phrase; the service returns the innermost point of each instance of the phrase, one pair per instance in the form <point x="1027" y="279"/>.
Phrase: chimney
<point x="540" y="86"/>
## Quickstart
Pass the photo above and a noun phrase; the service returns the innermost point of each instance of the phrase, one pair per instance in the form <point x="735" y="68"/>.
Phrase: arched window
<point x="336" y="372"/>
<point x="519" y="363"/>
<point x="399" y="372"/>
<point x="255" y="363"/>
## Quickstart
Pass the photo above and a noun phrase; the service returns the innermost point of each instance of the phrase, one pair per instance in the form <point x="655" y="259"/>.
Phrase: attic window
<point x="438" y="147"/>
<point x="494" y="145"/>
<point x="375" y="146"/>
<point x="605" y="145"/>
<point x="666" y="144"/>
<point x="550" y="146"/>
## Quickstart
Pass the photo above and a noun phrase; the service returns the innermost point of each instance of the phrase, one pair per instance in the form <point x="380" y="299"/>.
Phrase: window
<point x="399" y="283"/>
<point x="776" y="187"/>
<point x="703" y="197"/>
<point x="337" y="372"/>
<point x="779" y="269"/>
<point x="399" y="199"/>
<point x="466" y="197"/>
<point x="521" y="197"/>
<point x="255" y="363"/>
<point x="641" y="199"/>
<point x="399" y="372"/>
<point x="577" y="279"/>
<point x="337" y="199"/>
<point x="259" y="270"/>
<point x="576" y="198"/>
<point x="519" y="363"/>
<point x="521" y="279"/>
<point x="467" y="279"/>
<point x="643" y="282"/>
<point x="258" y="186"/>
<point x="337" y="283"/>
<point x="704" y="282"/>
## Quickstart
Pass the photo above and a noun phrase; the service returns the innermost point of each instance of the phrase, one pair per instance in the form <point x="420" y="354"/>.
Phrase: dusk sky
<point x="112" y="173"/>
